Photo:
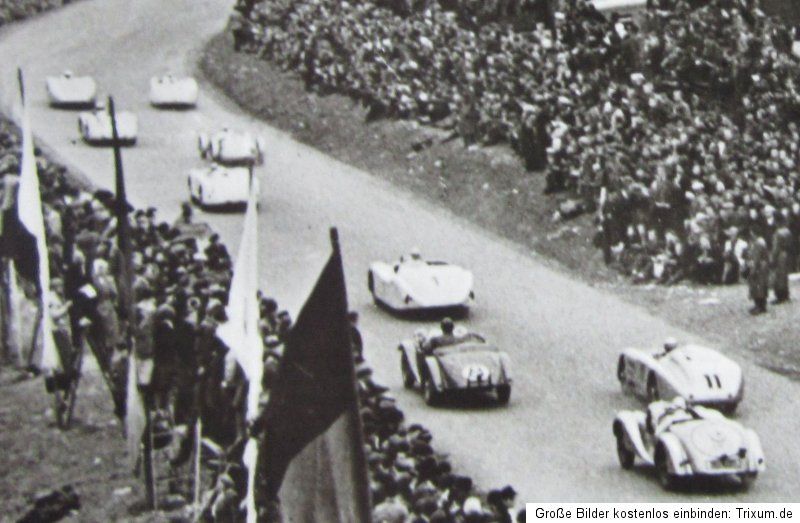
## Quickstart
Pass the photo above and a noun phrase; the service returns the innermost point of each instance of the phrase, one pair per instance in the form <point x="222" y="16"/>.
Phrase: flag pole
<point x="147" y="450"/>
<point x="21" y="85"/>
<point x="359" y="463"/>
<point x="198" y="449"/>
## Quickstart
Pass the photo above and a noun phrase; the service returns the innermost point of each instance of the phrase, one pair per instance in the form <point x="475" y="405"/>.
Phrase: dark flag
<point x="135" y="413"/>
<point x="121" y="210"/>
<point x="315" y="389"/>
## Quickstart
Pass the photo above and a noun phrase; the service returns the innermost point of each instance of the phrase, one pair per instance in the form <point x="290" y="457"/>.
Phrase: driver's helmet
<point x="670" y="344"/>
<point x="414" y="254"/>
<point x="447" y="326"/>
<point x="67" y="73"/>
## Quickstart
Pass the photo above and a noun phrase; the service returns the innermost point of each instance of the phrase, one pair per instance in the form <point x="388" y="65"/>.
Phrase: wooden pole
<point x="147" y="449"/>
<point x="198" y="449"/>
<point x="34" y="335"/>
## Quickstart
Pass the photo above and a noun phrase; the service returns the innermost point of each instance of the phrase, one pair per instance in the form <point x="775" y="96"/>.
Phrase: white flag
<point x="134" y="412"/>
<point x="29" y="209"/>
<point x="241" y="332"/>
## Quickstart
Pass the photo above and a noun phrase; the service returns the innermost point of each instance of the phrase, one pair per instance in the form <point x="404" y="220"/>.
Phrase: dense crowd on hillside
<point x="676" y="129"/>
<point x="181" y="277"/>
<point x="13" y="10"/>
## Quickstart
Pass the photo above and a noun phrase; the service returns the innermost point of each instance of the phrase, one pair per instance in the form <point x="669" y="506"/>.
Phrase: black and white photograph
<point x="399" y="261"/>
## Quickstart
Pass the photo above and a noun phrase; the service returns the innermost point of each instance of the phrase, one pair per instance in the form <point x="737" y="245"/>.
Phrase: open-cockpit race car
<point x="461" y="363"/>
<point x="232" y="148"/>
<point x="682" y="441"/>
<point x="173" y="92"/>
<point x="414" y="284"/>
<point x="700" y="375"/>
<point x="70" y="91"/>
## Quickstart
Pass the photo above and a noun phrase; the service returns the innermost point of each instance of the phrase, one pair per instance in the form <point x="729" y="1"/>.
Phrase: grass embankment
<point x="490" y="187"/>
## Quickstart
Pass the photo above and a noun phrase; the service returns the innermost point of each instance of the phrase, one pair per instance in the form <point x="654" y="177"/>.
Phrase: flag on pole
<point x="242" y="336"/>
<point x="29" y="211"/>
<point x="315" y="395"/>
<point x="135" y="415"/>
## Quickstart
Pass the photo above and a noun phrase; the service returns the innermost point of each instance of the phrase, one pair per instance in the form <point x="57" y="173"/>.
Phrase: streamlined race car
<point x="68" y="90"/>
<point x="416" y="284"/>
<point x="683" y="441"/>
<point x="218" y="185"/>
<point x="700" y="375"/>
<point x="168" y="91"/>
<point x="232" y="148"/>
<point x="464" y="364"/>
<point x="95" y="127"/>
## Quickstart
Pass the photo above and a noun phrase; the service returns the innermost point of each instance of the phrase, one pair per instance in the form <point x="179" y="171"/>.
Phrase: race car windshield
<point x="465" y="347"/>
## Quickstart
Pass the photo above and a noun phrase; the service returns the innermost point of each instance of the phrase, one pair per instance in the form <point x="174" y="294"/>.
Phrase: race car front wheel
<point x="625" y="455"/>
<point x="432" y="396"/>
<point x="503" y="394"/>
<point x="408" y="375"/>
<point x="665" y="477"/>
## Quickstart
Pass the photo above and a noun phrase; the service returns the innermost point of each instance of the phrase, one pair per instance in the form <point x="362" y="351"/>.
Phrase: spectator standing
<point x="758" y="279"/>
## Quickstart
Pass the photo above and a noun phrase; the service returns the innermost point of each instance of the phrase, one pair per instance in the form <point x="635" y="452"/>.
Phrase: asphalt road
<point x="553" y="442"/>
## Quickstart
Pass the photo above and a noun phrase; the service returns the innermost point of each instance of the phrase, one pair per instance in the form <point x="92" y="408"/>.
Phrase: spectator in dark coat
<point x="758" y="280"/>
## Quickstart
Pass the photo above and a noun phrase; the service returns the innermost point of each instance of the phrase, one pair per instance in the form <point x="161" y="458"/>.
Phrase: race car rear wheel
<point x="665" y="477"/>
<point x="503" y="394"/>
<point x="747" y="479"/>
<point x="625" y="455"/>
<point x="408" y="375"/>
<point x="621" y="369"/>
<point x="432" y="396"/>
<point x="652" y="388"/>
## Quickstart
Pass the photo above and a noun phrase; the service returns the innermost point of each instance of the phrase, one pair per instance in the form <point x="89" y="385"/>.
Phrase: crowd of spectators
<point x="13" y="10"/>
<point x="181" y="277"/>
<point x="675" y="126"/>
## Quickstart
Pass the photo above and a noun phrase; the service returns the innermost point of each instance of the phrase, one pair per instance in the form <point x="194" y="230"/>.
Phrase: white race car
<point x="682" y="441"/>
<point x="169" y="91"/>
<point x="95" y="127"/>
<point x="700" y="375"/>
<point x="416" y="284"/>
<point x="218" y="185"/>
<point x="68" y="90"/>
<point x="232" y="148"/>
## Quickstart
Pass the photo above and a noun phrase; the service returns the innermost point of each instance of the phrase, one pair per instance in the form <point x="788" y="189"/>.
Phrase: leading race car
<point x="465" y="363"/>
<point x="220" y="185"/>
<point x="683" y="441"/>
<point x="95" y="127"/>
<point x="416" y="284"/>
<point x="700" y="375"/>
<point x="70" y="91"/>
<point x="230" y="147"/>
<point x="171" y="92"/>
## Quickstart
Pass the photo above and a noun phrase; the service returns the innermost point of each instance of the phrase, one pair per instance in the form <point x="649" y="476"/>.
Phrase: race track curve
<point x="553" y="442"/>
